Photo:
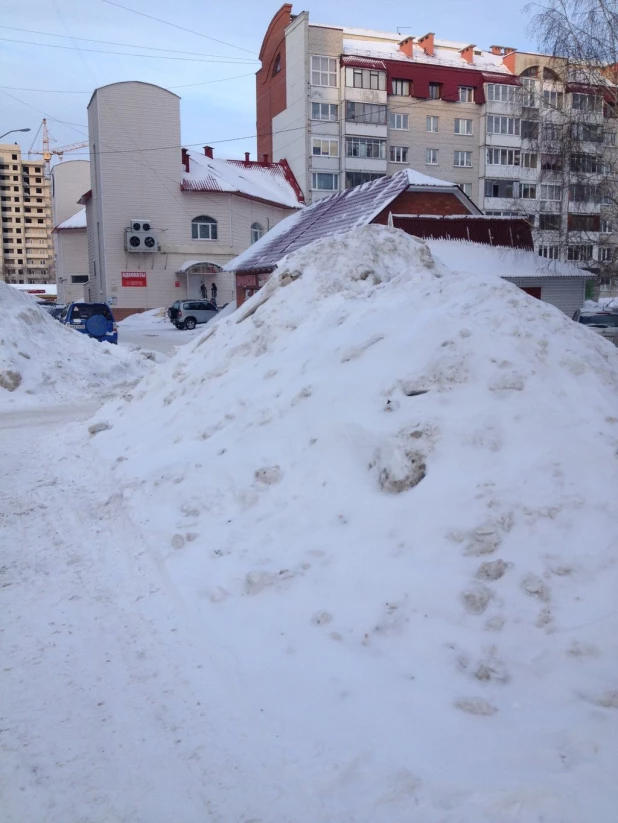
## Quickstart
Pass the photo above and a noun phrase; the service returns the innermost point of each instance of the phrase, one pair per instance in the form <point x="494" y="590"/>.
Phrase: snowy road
<point x="162" y="337"/>
<point x="92" y="728"/>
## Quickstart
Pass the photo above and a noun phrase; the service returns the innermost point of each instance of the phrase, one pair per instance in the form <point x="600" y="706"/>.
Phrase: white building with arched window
<point x="163" y="221"/>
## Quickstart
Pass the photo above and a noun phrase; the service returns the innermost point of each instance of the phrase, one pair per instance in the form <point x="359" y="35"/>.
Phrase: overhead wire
<point x="90" y="91"/>
<point x="176" y="26"/>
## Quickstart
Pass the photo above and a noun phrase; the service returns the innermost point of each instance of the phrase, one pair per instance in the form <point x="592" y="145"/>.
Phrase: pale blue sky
<point x="212" y="112"/>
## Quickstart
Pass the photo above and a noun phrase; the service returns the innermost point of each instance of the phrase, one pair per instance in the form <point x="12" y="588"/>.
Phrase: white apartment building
<point x="162" y="221"/>
<point x="26" y="248"/>
<point x="347" y="105"/>
<point x="70" y="179"/>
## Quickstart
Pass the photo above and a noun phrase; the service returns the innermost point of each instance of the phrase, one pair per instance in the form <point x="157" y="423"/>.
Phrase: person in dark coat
<point x="203" y="290"/>
<point x="213" y="294"/>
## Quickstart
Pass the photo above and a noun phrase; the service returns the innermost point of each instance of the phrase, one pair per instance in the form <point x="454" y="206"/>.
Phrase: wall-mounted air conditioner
<point x="140" y="237"/>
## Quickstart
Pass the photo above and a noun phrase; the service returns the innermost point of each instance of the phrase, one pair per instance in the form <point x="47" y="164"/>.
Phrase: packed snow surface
<point x="383" y="495"/>
<point x="44" y="361"/>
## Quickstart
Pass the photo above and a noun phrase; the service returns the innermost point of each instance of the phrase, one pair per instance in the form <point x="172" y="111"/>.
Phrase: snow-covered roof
<point x="270" y="182"/>
<point x="188" y="264"/>
<point x="461" y="256"/>
<point x="76" y="221"/>
<point x="446" y="53"/>
<point x="339" y="212"/>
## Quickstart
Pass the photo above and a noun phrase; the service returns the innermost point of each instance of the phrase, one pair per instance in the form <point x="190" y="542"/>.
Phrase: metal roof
<point x="339" y="212"/>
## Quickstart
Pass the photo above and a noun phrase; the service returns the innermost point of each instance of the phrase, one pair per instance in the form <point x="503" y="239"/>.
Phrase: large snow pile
<point x="385" y="495"/>
<point x="44" y="361"/>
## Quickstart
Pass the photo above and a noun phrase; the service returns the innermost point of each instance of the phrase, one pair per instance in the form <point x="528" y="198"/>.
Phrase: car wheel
<point x="190" y="324"/>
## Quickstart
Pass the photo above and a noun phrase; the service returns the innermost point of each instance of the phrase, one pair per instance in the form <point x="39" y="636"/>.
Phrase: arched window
<point x="277" y="65"/>
<point x="532" y="71"/>
<point x="256" y="232"/>
<point x="550" y="74"/>
<point x="203" y="228"/>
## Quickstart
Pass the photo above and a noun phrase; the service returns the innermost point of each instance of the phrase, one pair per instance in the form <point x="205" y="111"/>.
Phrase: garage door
<point x="533" y="291"/>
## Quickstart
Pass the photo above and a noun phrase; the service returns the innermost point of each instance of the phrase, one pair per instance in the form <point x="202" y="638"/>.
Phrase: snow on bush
<point x="43" y="361"/>
<point x="386" y="496"/>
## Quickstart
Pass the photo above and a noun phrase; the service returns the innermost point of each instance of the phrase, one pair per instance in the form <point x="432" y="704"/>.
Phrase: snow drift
<point x="385" y="495"/>
<point x="43" y="361"/>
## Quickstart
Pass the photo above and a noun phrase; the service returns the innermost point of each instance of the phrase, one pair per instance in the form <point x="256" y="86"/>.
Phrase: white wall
<point x="70" y="180"/>
<point x="72" y="261"/>
<point x="566" y="293"/>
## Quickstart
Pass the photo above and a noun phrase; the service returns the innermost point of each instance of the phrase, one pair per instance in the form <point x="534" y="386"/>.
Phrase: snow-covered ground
<point x="350" y="555"/>
<point x="151" y="330"/>
<point x="42" y="361"/>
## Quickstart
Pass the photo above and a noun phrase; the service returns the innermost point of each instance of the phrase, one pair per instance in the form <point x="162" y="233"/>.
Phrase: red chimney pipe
<point x="247" y="158"/>
<point x="185" y="160"/>
<point x="265" y="159"/>
<point x="208" y="151"/>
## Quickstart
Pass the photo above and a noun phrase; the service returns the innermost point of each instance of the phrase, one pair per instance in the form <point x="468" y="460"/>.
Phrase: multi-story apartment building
<point x="26" y="249"/>
<point x="347" y="105"/>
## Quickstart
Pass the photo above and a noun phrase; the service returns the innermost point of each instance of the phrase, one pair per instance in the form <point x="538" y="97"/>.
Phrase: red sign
<point x="177" y="284"/>
<point x="134" y="278"/>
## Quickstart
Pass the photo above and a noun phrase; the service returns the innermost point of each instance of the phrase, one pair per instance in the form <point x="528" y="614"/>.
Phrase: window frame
<point x="404" y="85"/>
<point x="328" y="106"/>
<point x="316" y="175"/>
<point x="437" y="88"/>
<point x="467" y="120"/>
<point x="467" y="93"/>
<point x="402" y="151"/>
<point x="467" y="155"/>
<point x="429" y="153"/>
<point x="327" y="72"/>
<point x="504" y="119"/>
<point x="257" y="232"/>
<point x="204" y="220"/>
<point x="393" y="116"/>
<point x="359" y="140"/>
<point x="430" y="119"/>
<point x="326" y="139"/>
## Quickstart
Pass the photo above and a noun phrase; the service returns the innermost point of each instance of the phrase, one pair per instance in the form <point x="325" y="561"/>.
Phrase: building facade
<point x="192" y="211"/>
<point x="70" y="179"/>
<point x="348" y="105"/>
<point x="26" y="250"/>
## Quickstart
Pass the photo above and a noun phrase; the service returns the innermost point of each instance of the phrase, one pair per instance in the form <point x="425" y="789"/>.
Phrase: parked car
<point x="187" y="314"/>
<point x="604" y="323"/>
<point x="94" y="319"/>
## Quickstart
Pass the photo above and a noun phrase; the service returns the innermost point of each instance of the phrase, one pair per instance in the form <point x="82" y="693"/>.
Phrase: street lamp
<point x="12" y="132"/>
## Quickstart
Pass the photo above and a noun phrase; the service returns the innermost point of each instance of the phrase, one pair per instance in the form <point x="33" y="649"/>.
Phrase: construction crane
<point x="47" y="152"/>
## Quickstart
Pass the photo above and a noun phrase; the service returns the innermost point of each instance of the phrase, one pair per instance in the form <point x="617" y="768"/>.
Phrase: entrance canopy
<point x="199" y="267"/>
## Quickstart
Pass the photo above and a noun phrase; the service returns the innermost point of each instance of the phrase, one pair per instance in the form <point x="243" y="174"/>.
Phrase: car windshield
<point x="86" y="310"/>
<point x="610" y="320"/>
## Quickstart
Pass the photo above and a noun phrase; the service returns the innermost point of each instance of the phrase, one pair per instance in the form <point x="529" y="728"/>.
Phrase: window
<point x="365" y="113"/>
<point x="550" y="252"/>
<point x="579" y="253"/>
<point x="256" y="232"/>
<point x="203" y="228"/>
<point x="584" y="222"/>
<point x="502" y="125"/>
<point x="529" y="98"/>
<point x="581" y="193"/>
<point x="607" y="226"/>
<point x="551" y="162"/>
<point x="500" y="93"/>
<point x="399" y="154"/>
<point x="37" y="169"/>
<point x="431" y="123"/>
<point x="79" y="278"/>
<point x="549" y="222"/>
<point x="531" y="71"/>
<point x="586" y="133"/>
<point x="551" y="192"/>
<point x="529" y="129"/>
<point x="463" y="158"/>
<point x="463" y="126"/>
<point x="398" y="121"/>
<point x="365" y="79"/>
<point x="552" y="99"/>
<point x="606" y="254"/>
<point x="401" y="88"/>
<point x="501" y="188"/>
<point x="40" y="221"/>
<point x="529" y="159"/>
<point x="325" y="111"/>
<point x="466" y="94"/>
<point x="528" y="191"/>
<point x="325" y="182"/>
<point x="466" y="188"/>
<point x="323" y="71"/>
<point x="277" y="65"/>
<point x="503" y="157"/>
<point x="357" y="178"/>
<point x="365" y="147"/>
<point x="586" y="102"/>
<point x="435" y="91"/>
<point x="609" y="138"/>
<point x="431" y="157"/>
<point x="325" y="147"/>
<point x="588" y="163"/>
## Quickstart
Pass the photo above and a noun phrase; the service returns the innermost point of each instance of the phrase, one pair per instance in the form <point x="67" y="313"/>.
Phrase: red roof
<point x="490" y="231"/>
<point x="363" y="62"/>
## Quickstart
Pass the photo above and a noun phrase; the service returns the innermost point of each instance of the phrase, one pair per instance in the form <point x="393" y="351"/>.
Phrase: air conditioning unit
<point x="139" y="237"/>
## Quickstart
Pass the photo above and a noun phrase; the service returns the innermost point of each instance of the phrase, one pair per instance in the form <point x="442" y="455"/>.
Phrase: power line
<point x="176" y="26"/>
<point x="90" y="91"/>
<point x="227" y="60"/>
<point x="111" y="42"/>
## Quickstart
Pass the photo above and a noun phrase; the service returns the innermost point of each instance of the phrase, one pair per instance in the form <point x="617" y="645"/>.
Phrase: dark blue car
<point x="94" y="319"/>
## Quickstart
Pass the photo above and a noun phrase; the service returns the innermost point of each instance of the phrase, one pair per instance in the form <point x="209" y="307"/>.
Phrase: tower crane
<point x="47" y="152"/>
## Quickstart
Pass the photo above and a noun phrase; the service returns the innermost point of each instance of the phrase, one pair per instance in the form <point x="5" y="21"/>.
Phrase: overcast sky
<point x="214" y="109"/>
